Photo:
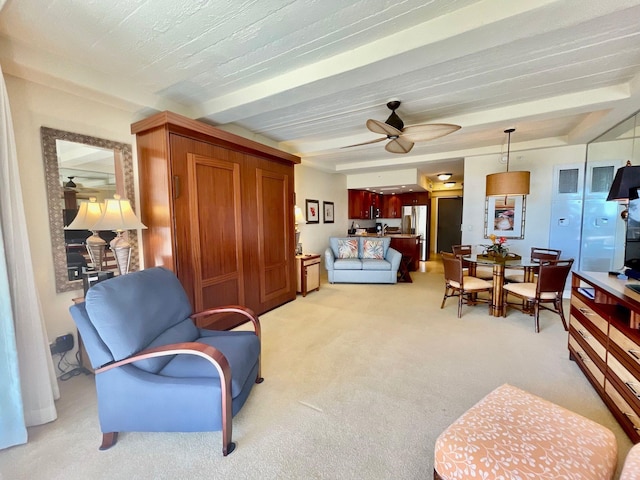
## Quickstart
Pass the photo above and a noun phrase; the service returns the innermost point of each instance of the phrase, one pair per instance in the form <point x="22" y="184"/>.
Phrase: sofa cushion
<point x="375" y="264"/>
<point x="347" y="248"/>
<point x="347" y="264"/>
<point x="373" y="248"/>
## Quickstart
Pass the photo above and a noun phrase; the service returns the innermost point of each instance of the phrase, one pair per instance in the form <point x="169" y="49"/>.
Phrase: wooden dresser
<point x="604" y="340"/>
<point x="219" y="211"/>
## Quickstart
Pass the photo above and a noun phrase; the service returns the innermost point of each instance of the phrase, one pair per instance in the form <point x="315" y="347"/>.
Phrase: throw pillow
<point x="348" y="248"/>
<point x="373" y="249"/>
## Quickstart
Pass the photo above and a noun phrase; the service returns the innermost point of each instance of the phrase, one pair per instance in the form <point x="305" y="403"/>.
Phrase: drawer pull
<point x="630" y="415"/>
<point x="634" y="354"/>
<point x="632" y="388"/>
<point x="582" y="358"/>
<point x="584" y="311"/>
<point x="583" y="335"/>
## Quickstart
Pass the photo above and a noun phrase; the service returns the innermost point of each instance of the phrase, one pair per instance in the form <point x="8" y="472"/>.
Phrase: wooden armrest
<point x="247" y="312"/>
<point x="212" y="354"/>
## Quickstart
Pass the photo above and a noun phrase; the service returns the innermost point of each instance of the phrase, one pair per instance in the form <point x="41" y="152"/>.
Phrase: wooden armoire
<point x="219" y="213"/>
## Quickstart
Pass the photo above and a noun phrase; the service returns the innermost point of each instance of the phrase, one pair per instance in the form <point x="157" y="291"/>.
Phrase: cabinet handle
<point x="634" y="354"/>
<point x="633" y="390"/>
<point x="583" y="335"/>
<point x="176" y="186"/>
<point x="585" y="312"/>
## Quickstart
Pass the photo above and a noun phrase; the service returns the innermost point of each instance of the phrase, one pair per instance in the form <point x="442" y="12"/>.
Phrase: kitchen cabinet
<point x="219" y="213"/>
<point x="604" y="340"/>
<point x="415" y="198"/>
<point x="363" y="204"/>
<point x="409" y="247"/>
<point x="392" y="206"/>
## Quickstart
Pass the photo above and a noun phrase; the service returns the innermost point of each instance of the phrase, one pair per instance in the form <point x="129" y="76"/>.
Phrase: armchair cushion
<point x="239" y="348"/>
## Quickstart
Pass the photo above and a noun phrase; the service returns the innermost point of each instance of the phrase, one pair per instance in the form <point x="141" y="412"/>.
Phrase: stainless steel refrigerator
<point x="415" y="221"/>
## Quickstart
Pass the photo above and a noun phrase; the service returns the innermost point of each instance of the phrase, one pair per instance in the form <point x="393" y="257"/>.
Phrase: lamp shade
<point x="297" y="212"/>
<point x="508" y="183"/>
<point x="625" y="183"/>
<point x="88" y="214"/>
<point x="118" y="216"/>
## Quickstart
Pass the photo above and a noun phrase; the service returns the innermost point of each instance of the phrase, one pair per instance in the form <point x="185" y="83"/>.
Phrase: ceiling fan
<point x="401" y="138"/>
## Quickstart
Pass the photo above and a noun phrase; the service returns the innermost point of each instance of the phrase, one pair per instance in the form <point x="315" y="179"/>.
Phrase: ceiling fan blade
<point x="399" y="145"/>
<point x="380" y="127"/>
<point x="429" y="131"/>
<point x="366" y="143"/>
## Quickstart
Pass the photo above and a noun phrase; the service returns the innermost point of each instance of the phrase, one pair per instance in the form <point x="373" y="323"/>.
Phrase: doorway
<point x="449" y="223"/>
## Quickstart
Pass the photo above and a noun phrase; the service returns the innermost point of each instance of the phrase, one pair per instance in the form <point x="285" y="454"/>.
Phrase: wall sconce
<point x="625" y="187"/>
<point x="508" y="183"/>
<point x="88" y="214"/>
<point x="118" y="216"/>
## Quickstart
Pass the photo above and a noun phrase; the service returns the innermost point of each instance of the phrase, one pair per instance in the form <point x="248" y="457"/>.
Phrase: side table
<point x="308" y="273"/>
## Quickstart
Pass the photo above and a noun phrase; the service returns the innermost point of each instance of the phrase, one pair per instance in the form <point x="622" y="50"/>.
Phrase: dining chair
<point x="485" y="273"/>
<point x="552" y="276"/>
<point x="459" y="285"/>
<point x="538" y="255"/>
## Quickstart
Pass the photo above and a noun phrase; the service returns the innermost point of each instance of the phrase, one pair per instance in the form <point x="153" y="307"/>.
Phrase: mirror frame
<point x="56" y="202"/>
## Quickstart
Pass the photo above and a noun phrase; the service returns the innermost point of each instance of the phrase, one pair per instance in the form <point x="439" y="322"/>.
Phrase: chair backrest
<point x="140" y="310"/>
<point x="459" y="250"/>
<point x="452" y="267"/>
<point x="552" y="275"/>
<point x="544" y="254"/>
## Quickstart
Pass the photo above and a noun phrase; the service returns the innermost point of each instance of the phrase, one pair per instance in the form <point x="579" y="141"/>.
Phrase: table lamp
<point x="118" y="216"/>
<point x="297" y="212"/>
<point x="88" y="214"/>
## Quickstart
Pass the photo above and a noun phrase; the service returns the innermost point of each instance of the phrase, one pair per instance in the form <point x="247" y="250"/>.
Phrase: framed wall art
<point x="313" y="211"/>
<point x="327" y="212"/>
<point x="504" y="216"/>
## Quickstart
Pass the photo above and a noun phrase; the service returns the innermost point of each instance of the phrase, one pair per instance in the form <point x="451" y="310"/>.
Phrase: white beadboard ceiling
<point x="307" y="74"/>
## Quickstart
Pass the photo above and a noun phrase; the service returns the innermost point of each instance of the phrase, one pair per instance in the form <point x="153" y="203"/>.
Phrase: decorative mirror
<point x="78" y="167"/>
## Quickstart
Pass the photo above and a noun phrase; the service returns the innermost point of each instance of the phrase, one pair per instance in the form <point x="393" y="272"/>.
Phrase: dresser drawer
<point x="586" y="362"/>
<point x="588" y="337"/>
<point x="625" y="409"/>
<point x="628" y="346"/>
<point x="599" y="322"/>
<point x="630" y="382"/>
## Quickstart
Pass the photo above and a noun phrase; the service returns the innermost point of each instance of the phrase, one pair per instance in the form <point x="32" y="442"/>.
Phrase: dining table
<point x="497" y="308"/>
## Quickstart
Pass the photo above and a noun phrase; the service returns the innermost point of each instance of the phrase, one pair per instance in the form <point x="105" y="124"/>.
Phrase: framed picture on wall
<point x="504" y="216"/>
<point x="327" y="212"/>
<point x="313" y="211"/>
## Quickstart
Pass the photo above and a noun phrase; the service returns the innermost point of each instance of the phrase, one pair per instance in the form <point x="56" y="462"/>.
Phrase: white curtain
<point x="28" y="385"/>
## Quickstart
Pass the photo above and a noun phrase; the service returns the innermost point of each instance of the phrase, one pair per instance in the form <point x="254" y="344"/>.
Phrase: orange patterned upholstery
<point x="511" y="434"/>
<point x="631" y="469"/>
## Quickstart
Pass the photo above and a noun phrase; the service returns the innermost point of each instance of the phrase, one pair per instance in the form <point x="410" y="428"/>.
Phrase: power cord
<point x="70" y="370"/>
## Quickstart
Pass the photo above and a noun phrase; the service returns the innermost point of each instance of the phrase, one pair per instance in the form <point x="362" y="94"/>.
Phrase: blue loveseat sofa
<point x="361" y="260"/>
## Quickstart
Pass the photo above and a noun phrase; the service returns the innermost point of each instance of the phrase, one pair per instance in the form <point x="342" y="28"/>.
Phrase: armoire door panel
<point x="275" y="251"/>
<point x="216" y="230"/>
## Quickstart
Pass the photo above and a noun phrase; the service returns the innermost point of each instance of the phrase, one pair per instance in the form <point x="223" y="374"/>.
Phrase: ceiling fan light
<point x="444" y="176"/>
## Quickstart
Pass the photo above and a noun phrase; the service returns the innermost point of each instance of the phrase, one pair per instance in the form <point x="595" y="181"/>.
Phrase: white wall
<point x="32" y="106"/>
<point x="329" y="187"/>
<point x="538" y="203"/>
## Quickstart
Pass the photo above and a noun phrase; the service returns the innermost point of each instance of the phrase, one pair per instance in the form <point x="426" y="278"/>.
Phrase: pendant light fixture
<point x="508" y="183"/>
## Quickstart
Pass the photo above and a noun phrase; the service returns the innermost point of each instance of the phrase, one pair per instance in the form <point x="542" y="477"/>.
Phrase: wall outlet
<point x="63" y="343"/>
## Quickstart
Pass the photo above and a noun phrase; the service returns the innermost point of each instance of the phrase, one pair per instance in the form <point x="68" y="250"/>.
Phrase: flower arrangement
<point x="498" y="246"/>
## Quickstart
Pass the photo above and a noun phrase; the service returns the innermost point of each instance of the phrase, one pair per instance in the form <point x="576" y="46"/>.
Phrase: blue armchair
<point x="155" y="370"/>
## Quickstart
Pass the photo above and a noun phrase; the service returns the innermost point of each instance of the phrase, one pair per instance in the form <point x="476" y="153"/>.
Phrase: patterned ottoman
<point x="511" y="434"/>
<point x="631" y="468"/>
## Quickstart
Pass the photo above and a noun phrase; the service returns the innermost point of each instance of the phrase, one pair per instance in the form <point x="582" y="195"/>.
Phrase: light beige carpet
<point x="359" y="382"/>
